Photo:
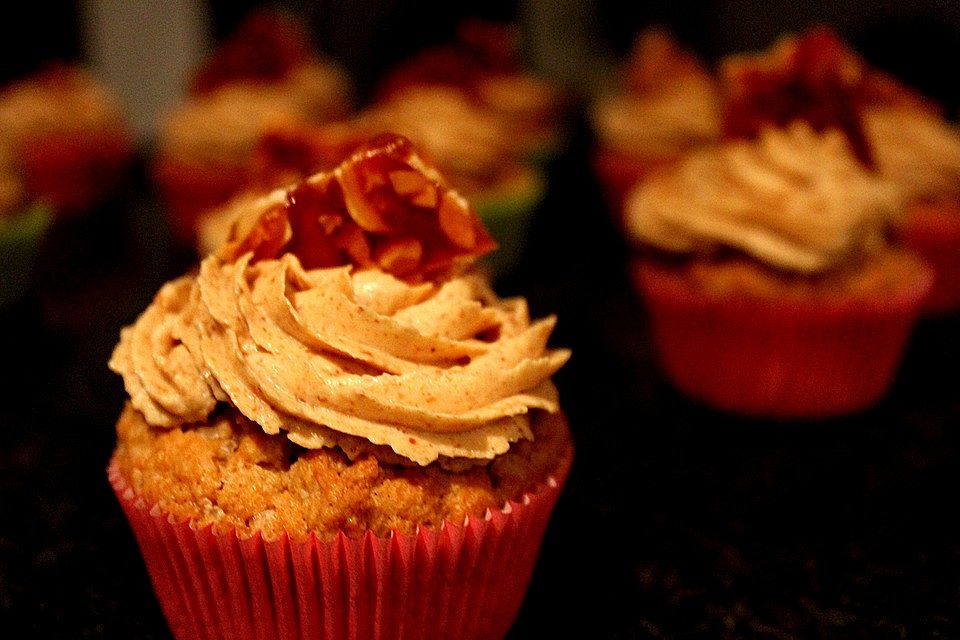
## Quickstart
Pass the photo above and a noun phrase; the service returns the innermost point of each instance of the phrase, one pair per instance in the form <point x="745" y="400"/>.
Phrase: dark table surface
<point x="676" y="521"/>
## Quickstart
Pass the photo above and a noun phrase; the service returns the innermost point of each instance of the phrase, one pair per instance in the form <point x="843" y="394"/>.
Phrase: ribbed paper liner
<point x="458" y="582"/>
<point x="933" y="231"/>
<point x="788" y="358"/>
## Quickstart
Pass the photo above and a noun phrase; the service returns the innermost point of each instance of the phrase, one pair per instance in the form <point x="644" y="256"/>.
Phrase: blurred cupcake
<point x="264" y="76"/>
<point x="335" y="428"/>
<point x="920" y="151"/>
<point x="894" y="130"/>
<point x="774" y="290"/>
<point x="22" y="226"/>
<point x="666" y="105"/>
<point x="484" y="64"/>
<point x="68" y="137"/>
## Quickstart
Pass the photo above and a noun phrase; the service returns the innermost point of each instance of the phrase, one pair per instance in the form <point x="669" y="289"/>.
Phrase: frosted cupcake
<point x="772" y="287"/>
<point x="264" y="77"/>
<point x="666" y="105"/>
<point x="336" y="421"/>
<point x="67" y="137"/>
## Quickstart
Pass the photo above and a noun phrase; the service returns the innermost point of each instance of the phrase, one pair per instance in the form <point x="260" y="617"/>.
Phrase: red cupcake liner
<point x="933" y="231"/>
<point x="455" y="581"/>
<point x="785" y="358"/>
<point x="74" y="172"/>
<point x="187" y="190"/>
<point x="619" y="172"/>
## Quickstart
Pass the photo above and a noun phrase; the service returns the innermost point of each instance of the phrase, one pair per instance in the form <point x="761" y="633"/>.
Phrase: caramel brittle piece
<point x="383" y="206"/>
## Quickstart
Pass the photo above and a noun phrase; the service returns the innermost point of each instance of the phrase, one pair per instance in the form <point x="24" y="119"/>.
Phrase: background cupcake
<point x="264" y="76"/>
<point x="789" y="301"/>
<point x="67" y="137"/>
<point x="894" y="130"/>
<point x="665" y="103"/>
<point x="485" y="64"/>
<point x="408" y="455"/>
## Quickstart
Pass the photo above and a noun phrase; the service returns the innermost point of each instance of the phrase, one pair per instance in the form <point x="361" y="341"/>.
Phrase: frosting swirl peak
<point x="794" y="199"/>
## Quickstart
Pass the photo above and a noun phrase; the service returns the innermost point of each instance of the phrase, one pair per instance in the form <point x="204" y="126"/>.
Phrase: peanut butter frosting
<point x="793" y="199"/>
<point x="916" y="149"/>
<point x="426" y="368"/>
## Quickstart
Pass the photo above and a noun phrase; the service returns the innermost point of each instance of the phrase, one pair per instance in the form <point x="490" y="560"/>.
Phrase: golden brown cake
<point x="228" y="473"/>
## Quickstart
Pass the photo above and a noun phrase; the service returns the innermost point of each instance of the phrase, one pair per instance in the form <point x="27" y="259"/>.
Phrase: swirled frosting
<point x="793" y="199"/>
<point x="428" y="370"/>
<point x="916" y="149"/>
<point x="287" y="327"/>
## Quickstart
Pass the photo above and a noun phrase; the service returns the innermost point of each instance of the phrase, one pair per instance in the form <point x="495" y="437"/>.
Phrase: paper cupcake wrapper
<point x="789" y="359"/>
<point x="75" y="173"/>
<point x="933" y="231"/>
<point x="453" y="582"/>
<point x="187" y="190"/>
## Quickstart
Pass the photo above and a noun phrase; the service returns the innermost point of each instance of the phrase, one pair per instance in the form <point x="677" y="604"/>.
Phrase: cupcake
<point x="22" y="226"/>
<point x="484" y="64"/>
<point x="68" y="137"/>
<point x="664" y="105"/>
<point x="263" y="77"/>
<point x="772" y="287"/>
<point x="920" y="151"/>
<point x="335" y="428"/>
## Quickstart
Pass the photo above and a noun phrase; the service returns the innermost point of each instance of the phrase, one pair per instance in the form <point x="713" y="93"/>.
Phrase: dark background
<point x="676" y="522"/>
